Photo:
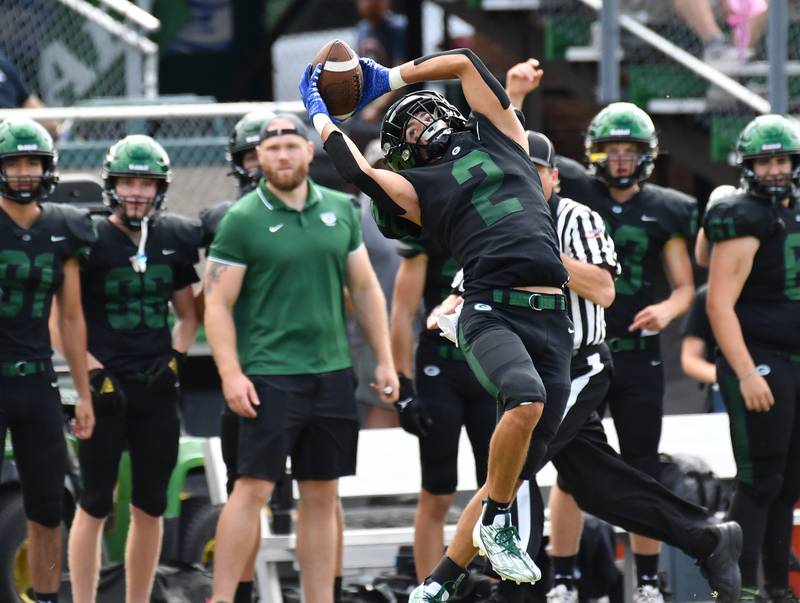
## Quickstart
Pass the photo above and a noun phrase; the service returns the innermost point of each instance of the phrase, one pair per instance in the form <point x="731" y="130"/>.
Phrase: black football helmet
<point x="438" y="119"/>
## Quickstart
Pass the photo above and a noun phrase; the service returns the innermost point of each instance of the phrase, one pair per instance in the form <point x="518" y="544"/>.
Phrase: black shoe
<point x="721" y="567"/>
<point x="781" y="595"/>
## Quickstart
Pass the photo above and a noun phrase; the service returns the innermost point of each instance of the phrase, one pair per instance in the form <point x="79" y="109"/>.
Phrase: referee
<point x="589" y="469"/>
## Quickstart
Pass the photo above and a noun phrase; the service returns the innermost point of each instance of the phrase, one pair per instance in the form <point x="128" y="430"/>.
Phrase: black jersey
<point x="31" y="270"/>
<point x="483" y="202"/>
<point x="439" y="273"/>
<point x="769" y="304"/>
<point x="209" y="219"/>
<point x="640" y="228"/>
<point x="126" y="311"/>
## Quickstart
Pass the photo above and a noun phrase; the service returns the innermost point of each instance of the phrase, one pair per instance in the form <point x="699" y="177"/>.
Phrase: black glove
<point x="413" y="417"/>
<point x="108" y="399"/>
<point x="165" y="377"/>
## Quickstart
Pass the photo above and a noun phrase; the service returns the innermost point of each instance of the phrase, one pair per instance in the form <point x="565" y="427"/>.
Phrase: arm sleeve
<point x="229" y="244"/>
<point x="588" y="242"/>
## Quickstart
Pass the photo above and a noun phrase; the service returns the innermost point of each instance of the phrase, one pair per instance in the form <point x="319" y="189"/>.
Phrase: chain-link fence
<point x="194" y="135"/>
<point x="65" y="57"/>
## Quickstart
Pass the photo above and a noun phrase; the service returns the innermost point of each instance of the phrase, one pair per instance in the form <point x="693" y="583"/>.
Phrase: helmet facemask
<point x="642" y="167"/>
<point x="431" y="120"/>
<point x="10" y="186"/>
<point x="774" y="187"/>
<point x="119" y="204"/>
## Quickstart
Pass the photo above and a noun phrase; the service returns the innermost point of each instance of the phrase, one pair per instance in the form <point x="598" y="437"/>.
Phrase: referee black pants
<point x="597" y="477"/>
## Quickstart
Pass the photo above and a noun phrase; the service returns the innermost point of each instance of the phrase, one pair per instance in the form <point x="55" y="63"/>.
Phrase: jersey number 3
<point x="492" y="182"/>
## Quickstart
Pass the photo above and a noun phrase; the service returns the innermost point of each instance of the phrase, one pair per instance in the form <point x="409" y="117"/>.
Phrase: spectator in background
<point x="698" y="348"/>
<point x="385" y="261"/>
<point x="15" y="94"/>
<point x="747" y="17"/>
<point x="381" y="36"/>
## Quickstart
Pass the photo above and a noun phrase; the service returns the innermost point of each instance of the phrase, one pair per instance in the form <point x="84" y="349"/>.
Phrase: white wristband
<point x="320" y="120"/>
<point x="395" y="79"/>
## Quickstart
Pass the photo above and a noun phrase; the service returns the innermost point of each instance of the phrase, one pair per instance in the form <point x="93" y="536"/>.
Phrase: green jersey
<point x="290" y="314"/>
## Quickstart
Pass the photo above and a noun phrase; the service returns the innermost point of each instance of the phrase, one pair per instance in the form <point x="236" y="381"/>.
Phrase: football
<point x="341" y="80"/>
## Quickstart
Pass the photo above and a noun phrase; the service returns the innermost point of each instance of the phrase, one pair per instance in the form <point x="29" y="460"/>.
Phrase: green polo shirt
<point x="290" y="314"/>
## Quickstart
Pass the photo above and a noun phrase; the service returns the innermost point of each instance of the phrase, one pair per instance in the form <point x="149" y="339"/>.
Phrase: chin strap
<point x="139" y="261"/>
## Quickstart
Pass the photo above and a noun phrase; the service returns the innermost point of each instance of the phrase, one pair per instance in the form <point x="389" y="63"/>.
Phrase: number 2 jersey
<point x="483" y="202"/>
<point x="126" y="311"/>
<point x="31" y="271"/>
<point x="640" y="228"/>
<point x="768" y="307"/>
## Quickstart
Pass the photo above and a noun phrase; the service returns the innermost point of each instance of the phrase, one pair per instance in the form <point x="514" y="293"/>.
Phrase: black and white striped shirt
<point x="582" y="235"/>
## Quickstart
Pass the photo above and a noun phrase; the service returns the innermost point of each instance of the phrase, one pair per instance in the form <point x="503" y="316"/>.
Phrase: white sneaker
<point x="648" y="594"/>
<point x="500" y="542"/>
<point x="562" y="594"/>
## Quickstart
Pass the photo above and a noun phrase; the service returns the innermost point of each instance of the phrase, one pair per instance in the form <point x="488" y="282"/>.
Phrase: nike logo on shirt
<point x="57" y="238"/>
<point x="649" y="219"/>
<point x="167" y="251"/>
<point x="275" y="227"/>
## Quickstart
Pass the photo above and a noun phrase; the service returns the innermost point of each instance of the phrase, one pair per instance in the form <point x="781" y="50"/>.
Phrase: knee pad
<point x="48" y="513"/>
<point x="518" y="384"/>
<point x="764" y="490"/>
<point x="152" y="504"/>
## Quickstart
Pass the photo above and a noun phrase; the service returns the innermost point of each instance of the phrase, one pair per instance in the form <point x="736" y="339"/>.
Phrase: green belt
<point x="451" y="352"/>
<point x="526" y="299"/>
<point x="23" y="368"/>
<point x="630" y="344"/>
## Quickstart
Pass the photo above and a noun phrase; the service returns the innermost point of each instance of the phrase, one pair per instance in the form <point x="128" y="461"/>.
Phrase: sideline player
<point x="39" y="260"/>
<point x="143" y="261"/>
<point x="650" y="226"/>
<point x="754" y="308"/>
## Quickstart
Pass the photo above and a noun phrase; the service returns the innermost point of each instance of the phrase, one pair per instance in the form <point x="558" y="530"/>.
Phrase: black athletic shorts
<point x="312" y="418"/>
<point x="453" y="398"/>
<point x="149" y="428"/>
<point x="30" y="408"/>
<point x="520" y="354"/>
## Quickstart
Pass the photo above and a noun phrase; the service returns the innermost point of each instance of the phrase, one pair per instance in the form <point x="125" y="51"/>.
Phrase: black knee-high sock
<point x="776" y="549"/>
<point x="564" y="570"/>
<point x="646" y="569"/>
<point x="46" y="597"/>
<point x="751" y="514"/>
<point x="449" y="574"/>
<point x="493" y="508"/>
